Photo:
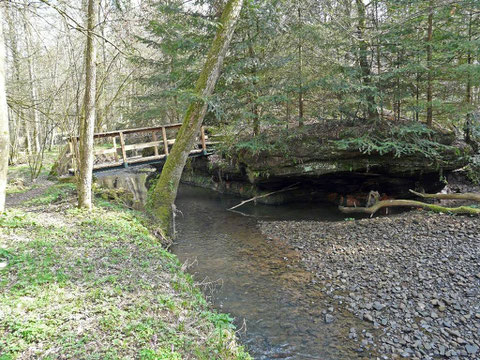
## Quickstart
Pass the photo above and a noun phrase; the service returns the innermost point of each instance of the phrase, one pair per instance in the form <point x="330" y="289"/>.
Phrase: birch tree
<point x="88" y="120"/>
<point x="4" y="137"/>
<point x="162" y="197"/>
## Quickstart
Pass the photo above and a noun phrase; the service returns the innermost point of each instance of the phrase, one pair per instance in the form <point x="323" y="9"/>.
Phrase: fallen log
<point x="455" y="196"/>
<point x="408" y="203"/>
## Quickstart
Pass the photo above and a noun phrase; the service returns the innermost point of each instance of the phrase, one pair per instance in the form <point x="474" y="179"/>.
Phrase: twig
<point x="241" y="213"/>
<point x="78" y="26"/>
<point x="288" y="188"/>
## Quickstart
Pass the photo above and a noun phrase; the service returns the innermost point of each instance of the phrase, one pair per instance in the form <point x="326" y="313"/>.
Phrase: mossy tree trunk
<point x="162" y="197"/>
<point x="4" y="138"/>
<point x="88" y="119"/>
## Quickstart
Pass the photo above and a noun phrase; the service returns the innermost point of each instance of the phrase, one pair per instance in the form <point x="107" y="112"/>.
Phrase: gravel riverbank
<point x="415" y="276"/>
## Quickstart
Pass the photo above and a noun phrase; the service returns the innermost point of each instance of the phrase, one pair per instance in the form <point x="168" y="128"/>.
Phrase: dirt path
<point x="37" y="189"/>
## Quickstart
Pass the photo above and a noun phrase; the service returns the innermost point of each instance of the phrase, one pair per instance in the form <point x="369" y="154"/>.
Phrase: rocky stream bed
<point x="414" y="276"/>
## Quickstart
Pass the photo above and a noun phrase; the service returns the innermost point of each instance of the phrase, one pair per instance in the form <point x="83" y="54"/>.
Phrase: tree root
<point x="409" y="203"/>
<point x="457" y="196"/>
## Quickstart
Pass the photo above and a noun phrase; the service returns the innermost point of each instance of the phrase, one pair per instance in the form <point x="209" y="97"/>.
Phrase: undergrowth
<point x="473" y="170"/>
<point x="98" y="285"/>
<point x="399" y="141"/>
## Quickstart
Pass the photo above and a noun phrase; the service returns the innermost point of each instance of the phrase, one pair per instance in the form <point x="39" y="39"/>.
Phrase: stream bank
<point x="280" y="312"/>
<point x="97" y="285"/>
<point x="336" y="162"/>
<point x="414" y="276"/>
<point x="388" y="287"/>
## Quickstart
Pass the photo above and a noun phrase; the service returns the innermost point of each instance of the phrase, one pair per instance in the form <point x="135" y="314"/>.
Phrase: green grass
<point x="53" y="195"/>
<point x="98" y="285"/>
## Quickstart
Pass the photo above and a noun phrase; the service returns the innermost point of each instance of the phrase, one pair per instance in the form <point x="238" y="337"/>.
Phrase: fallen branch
<point x="457" y="196"/>
<point x="288" y="188"/>
<point x="409" y="203"/>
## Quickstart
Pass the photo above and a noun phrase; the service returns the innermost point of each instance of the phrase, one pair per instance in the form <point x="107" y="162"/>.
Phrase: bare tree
<point x="88" y="121"/>
<point x="4" y="137"/>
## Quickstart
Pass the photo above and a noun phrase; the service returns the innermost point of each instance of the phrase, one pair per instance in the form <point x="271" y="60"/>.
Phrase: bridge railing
<point x="160" y="146"/>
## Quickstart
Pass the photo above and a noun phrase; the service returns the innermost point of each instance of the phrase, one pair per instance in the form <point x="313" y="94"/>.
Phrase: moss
<point x="53" y="174"/>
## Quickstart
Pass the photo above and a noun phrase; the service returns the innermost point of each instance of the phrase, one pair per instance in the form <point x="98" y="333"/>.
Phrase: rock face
<point x="324" y="161"/>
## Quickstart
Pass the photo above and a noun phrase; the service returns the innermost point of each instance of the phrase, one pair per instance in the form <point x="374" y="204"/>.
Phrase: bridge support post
<point x="165" y="140"/>
<point x="204" y="143"/>
<point x="155" y="148"/>
<point x="124" y="153"/>
<point x="115" y="148"/>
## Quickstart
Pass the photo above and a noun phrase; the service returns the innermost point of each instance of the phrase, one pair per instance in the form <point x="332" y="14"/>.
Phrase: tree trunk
<point x="162" y="197"/>
<point x="372" y="112"/>
<point x="101" y="77"/>
<point x="379" y="61"/>
<point x="33" y="87"/>
<point x="429" y="64"/>
<point x="254" y="94"/>
<point x="4" y="137"/>
<point x="417" y="97"/>
<point x="16" y="119"/>
<point x="88" y="120"/>
<point x="300" y="70"/>
<point x="468" y="93"/>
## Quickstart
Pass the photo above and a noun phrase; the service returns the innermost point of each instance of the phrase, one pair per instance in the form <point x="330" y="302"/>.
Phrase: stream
<point x="261" y="283"/>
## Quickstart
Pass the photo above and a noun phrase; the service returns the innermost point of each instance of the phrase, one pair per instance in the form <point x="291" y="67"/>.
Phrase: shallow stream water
<point x="260" y="282"/>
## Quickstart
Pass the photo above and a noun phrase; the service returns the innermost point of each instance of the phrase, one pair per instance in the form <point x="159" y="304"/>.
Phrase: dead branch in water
<point x="457" y="196"/>
<point x="408" y="203"/>
<point x="288" y="188"/>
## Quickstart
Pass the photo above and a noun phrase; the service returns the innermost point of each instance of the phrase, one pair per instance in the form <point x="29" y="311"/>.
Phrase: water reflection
<point x="263" y="281"/>
<point x="260" y="282"/>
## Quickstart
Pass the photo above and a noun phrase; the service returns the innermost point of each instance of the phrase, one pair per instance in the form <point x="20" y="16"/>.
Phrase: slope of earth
<point x="97" y="285"/>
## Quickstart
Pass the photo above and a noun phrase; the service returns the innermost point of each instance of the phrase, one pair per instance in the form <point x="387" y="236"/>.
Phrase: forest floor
<point x="96" y="285"/>
<point x="415" y="276"/>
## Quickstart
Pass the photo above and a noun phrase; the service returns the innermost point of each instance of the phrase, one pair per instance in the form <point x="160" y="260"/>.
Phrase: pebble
<point x="471" y="349"/>
<point x="329" y="319"/>
<point x="415" y="274"/>
<point x="368" y="317"/>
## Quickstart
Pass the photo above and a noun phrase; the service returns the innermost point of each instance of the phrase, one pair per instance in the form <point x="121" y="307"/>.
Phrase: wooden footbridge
<point x="132" y="147"/>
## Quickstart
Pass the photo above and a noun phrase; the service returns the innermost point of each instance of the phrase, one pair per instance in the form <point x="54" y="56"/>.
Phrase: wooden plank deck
<point x="110" y="158"/>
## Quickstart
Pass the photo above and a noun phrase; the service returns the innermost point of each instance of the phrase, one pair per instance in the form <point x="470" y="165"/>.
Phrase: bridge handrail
<point x="131" y="131"/>
<point x="73" y="144"/>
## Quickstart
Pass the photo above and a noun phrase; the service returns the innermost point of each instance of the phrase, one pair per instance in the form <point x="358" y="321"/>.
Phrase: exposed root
<point x="456" y="196"/>
<point x="409" y="203"/>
